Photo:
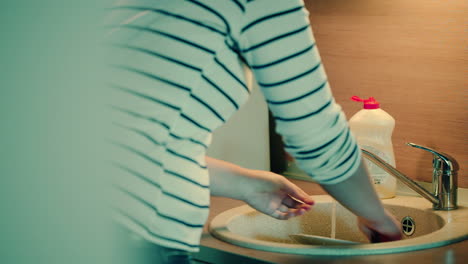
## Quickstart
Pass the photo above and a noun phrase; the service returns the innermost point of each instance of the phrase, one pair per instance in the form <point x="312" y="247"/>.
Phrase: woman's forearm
<point x="358" y="195"/>
<point x="226" y="179"/>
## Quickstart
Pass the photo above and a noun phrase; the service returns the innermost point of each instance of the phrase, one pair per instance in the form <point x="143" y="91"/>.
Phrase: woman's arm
<point x="283" y="55"/>
<point x="358" y="195"/>
<point x="265" y="191"/>
<point x="275" y="196"/>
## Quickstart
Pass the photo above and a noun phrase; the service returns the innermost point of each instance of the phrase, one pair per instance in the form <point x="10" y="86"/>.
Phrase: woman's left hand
<point x="267" y="192"/>
<point x="274" y="195"/>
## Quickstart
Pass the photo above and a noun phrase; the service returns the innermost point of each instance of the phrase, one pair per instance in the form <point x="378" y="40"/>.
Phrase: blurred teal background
<point x="52" y="190"/>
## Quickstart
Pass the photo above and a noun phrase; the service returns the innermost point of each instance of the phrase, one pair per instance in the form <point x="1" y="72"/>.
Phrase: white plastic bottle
<point x="373" y="128"/>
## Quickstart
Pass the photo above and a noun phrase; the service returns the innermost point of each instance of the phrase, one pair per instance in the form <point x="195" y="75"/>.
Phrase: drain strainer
<point x="408" y="225"/>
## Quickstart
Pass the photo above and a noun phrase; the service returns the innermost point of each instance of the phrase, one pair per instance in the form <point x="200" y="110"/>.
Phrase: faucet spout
<point x="400" y="176"/>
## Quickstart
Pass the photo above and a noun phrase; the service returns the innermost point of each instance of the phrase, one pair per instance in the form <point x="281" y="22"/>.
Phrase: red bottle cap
<point x="370" y="103"/>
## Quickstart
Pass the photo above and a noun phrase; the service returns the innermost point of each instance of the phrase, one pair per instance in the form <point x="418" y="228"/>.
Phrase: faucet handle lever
<point x="449" y="162"/>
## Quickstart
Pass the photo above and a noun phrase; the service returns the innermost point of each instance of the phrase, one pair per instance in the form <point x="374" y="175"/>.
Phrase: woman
<point x="178" y="75"/>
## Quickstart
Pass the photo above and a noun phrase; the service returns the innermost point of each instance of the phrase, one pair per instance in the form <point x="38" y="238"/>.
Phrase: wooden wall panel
<point x="411" y="56"/>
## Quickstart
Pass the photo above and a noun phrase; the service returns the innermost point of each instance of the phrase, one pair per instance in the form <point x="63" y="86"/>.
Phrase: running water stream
<point x="333" y="220"/>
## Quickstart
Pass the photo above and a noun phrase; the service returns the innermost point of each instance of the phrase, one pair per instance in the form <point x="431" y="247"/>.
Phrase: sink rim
<point x="454" y="230"/>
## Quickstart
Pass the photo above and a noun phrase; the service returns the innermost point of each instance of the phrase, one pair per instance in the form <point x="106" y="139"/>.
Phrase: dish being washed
<point x="320" y="240"/>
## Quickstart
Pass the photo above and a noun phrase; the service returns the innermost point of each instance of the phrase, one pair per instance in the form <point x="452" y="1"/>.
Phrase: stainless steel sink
<point x="424" y="228"/>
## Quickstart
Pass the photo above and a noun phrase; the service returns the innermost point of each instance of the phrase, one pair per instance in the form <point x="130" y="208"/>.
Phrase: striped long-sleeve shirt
<point x="177" y="74"/>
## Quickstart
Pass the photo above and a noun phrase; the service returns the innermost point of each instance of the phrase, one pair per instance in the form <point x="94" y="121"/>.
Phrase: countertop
<point x="218" y="252"/>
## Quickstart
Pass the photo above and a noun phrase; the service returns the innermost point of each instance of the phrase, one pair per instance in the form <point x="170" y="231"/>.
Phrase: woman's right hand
<point x="385" y="230"/>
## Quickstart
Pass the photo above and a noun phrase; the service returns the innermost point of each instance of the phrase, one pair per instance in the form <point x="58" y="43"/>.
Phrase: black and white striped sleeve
<point x="276" y="41"/>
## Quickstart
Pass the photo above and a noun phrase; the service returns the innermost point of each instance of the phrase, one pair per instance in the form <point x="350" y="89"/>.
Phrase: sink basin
<point x="424" y="228"/>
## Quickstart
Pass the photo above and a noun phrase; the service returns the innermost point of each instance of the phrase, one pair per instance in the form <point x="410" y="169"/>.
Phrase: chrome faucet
<point x="444" y="178"/>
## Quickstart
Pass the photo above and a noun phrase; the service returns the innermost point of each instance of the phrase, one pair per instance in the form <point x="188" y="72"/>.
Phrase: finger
<point x="308" y="201"/>
<point x="283" y="208"/>
<point x="279" y="215"/>
<point x="292" y="202"/>
<point x="301" y="200"/>
<point x="295" y="192"/>
<point x="284" y="213"/>
<point x="284" y="216"/>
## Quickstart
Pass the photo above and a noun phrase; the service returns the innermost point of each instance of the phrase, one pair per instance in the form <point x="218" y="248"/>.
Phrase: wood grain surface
<point x="412" y="57"/>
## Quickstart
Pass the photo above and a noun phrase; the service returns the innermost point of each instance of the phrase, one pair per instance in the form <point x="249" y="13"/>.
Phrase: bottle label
<point x="378" y="175"/>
